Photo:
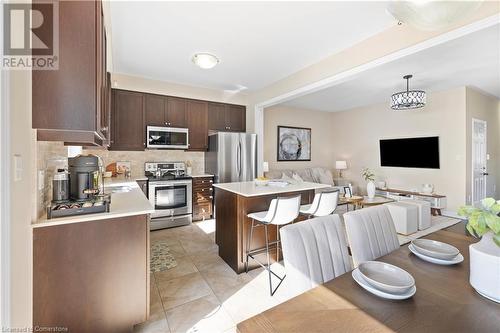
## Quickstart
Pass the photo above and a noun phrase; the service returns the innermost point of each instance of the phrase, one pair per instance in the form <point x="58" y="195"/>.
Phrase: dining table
<point x="444" y="301"/>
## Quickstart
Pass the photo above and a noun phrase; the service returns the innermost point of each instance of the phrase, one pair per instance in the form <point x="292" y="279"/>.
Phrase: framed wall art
<point x="294" y="144"/>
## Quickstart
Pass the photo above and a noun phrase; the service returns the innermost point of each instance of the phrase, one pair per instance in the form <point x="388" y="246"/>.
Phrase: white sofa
<point x="313" y="175"/>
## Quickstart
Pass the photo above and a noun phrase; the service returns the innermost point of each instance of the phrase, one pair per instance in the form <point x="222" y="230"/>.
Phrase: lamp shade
<point x="340" y="165"/>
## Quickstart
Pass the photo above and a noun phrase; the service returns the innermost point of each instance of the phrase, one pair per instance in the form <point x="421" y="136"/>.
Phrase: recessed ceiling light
<point x="205" y="60"/>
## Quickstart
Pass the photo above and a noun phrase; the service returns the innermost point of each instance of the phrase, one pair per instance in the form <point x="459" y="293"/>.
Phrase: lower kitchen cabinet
<point x="202" y="198"/>
<point x="92" y="276"/>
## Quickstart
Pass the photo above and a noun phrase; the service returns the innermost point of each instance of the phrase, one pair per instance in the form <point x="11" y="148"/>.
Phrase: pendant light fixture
<point x="409" y="99"/>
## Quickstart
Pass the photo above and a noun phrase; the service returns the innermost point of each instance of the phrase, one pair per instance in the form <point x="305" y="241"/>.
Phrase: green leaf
<point x="488" y="202"/>
<point x="471" y="230"/>
<point x="493" y="222"/>
<point x="496" y="239"/>
<point x="495" y="209"/>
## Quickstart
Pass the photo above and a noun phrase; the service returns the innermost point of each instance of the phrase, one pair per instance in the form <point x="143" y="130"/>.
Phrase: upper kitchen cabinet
<point x="176" y="112"/>
<point x="197" y="121"/>
<point x="71" y="104"/>
<point x="165" y="111"/>
<point x="226" y="117"/>
<point x="128" y="119"/>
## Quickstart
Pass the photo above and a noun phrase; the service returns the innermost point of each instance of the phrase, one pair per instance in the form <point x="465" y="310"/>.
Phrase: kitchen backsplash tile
<point x="138" y="158"/>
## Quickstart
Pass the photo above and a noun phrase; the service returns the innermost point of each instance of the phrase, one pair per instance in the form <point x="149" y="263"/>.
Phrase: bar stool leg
<point x="249" y="241"/>
<point x="268" y="261"/>
<point x="277" y="243"/>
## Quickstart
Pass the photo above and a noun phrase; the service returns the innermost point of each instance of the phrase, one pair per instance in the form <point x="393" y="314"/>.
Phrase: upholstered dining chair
<point x="370" y="233"/>
<point x="314" y="251"/>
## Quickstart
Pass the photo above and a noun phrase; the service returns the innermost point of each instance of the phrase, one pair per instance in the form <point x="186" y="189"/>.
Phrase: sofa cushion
<point x="322" y="176"/>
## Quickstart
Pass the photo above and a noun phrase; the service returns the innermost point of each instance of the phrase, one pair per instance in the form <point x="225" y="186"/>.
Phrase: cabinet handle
<point x="229" y="127"/>
<point x="203" y="190"/>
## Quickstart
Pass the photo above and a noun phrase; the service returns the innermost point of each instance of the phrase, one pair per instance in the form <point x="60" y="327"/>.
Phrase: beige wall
<point x="22" y="198"/>
<point x="484" y="107"/>
<point x="357" y="133"/>
<point x="321" y="134"/>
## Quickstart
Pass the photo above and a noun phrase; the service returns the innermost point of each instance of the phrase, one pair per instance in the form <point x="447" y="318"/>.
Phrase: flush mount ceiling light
<point x="409" y="99"/>
<point x="431" y="15"/>
<point x="205" y="60"/>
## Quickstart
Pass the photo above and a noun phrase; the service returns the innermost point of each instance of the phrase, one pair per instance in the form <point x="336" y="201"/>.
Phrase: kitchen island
<point x="233" y="201"/>
<point x="91" y="272"/>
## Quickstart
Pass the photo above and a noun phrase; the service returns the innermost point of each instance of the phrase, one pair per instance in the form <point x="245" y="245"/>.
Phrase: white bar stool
<point x="282" y="210"/>
<point x="324" y="203"/>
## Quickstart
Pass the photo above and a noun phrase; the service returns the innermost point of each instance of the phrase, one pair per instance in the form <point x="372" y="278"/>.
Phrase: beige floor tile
<point x="202" y="315"/>
<point x="198" y="245"/>
<point x="184" y="266"/>
<point x="204" y="261"/>
<point x="224" y="281"/>
<point x="181" y="290"/>
<point x="153" y="326"/>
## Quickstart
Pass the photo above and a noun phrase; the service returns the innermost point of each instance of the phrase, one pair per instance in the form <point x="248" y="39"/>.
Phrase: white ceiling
<point x="472" y="60"/>
<point x="258" y="43"/>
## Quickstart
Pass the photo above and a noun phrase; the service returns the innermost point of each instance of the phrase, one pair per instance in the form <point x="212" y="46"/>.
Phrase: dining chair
<point x="324" y="203"/>
<point x="370" y="233"/>
<point x="282" y="210"/>
<point x="314" y="251"/>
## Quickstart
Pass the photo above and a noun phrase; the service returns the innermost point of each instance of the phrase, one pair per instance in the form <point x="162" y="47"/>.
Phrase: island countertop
<point x="127" y="199"/>
<point x="249" y="189"/>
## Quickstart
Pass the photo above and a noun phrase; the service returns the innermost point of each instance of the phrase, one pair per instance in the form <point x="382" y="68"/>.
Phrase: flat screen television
<point x="410" y="152"/>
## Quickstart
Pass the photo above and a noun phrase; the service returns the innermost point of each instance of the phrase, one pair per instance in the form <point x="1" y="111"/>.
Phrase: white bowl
<point x="435" y="249"/>
<point x="386" y="277"/>
<point x="261" y="182"/>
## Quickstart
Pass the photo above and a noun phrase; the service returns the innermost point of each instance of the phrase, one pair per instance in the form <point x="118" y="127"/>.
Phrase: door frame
<point x="485" y="123"/>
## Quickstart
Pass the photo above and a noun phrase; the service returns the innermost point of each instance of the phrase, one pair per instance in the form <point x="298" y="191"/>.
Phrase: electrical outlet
<point x="41" y="180"/>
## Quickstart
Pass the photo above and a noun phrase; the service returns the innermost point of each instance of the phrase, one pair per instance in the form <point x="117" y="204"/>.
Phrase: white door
<point x="479" y="171"/>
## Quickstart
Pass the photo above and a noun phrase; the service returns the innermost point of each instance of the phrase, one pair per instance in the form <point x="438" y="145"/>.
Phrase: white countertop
<point x="129" y="201"/>
<point x="202" y="175"/>
<point x="249" y="189"/>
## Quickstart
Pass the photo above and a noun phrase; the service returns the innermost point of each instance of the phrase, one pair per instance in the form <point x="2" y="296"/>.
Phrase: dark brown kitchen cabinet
<point x="165" y="111"/>
<point x="197" y="122"/>
<point x="202" y="198"/>
<point x="70" y="104"/>
<point x="155" y="110"/>
<point x="176" y="112"/>
<point x="226" y="117"/>
<point x="128" y="119"/>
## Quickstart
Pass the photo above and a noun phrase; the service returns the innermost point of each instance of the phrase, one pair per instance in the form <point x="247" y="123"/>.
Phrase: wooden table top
<point x="444" y="301"/>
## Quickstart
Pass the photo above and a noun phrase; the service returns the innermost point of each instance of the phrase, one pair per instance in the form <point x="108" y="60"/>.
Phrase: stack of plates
<point x="385" y="280"/>
<point x="435" y="252"/>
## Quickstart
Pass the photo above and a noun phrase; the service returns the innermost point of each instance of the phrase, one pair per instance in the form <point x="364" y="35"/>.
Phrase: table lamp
<point x="340" y="165"/>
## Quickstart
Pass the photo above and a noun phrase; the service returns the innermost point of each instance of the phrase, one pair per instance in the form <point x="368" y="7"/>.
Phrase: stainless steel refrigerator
<point x="232" y="157"/>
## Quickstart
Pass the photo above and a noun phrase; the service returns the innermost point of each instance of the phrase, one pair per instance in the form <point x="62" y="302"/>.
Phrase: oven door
<point x="171" y="198"/>
<point x="167" y="137"/>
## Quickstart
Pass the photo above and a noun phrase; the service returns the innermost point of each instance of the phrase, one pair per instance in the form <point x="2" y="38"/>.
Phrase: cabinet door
<point x="197" y="121"/>
<point x="128" y="121"/>
<point x="235" y="118"/>
<point x="155" y="110"/>
<point x="217" y="117"/>
<point x="176" y="112"/>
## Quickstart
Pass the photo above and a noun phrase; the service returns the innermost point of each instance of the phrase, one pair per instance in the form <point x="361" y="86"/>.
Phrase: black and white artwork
<point x="294" y="143"/>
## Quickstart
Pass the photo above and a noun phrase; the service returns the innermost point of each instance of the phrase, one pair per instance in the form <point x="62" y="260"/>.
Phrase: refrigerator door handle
<point x="238" y="160"/>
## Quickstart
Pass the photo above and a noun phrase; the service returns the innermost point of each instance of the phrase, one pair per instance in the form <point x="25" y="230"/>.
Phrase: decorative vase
<point x="370" y="189"/>
<point x="485" y="267"/>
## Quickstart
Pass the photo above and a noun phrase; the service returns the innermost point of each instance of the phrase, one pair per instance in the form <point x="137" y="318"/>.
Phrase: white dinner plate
<point x="386" y="277"/>
<point x="458" y="259"/>
<point x="435" y="249"/>
<point x="358" y="277"/>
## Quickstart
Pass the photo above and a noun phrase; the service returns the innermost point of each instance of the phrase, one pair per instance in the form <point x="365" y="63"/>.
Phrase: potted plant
<point x="369" y="177"/>
<point x="484" y="255"/>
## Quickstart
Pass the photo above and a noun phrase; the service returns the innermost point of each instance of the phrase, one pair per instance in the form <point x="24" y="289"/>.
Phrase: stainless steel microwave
<point x="167" y="137"/>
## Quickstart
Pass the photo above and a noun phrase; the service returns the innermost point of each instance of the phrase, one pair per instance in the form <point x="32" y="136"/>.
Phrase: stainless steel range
<point x="170" y="192"/>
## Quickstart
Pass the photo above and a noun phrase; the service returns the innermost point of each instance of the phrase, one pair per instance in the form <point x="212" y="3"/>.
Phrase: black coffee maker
<point x="85" y="177"/>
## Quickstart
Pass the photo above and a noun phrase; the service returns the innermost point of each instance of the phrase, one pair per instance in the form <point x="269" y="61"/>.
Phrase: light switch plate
<point x="18" y="168"/>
